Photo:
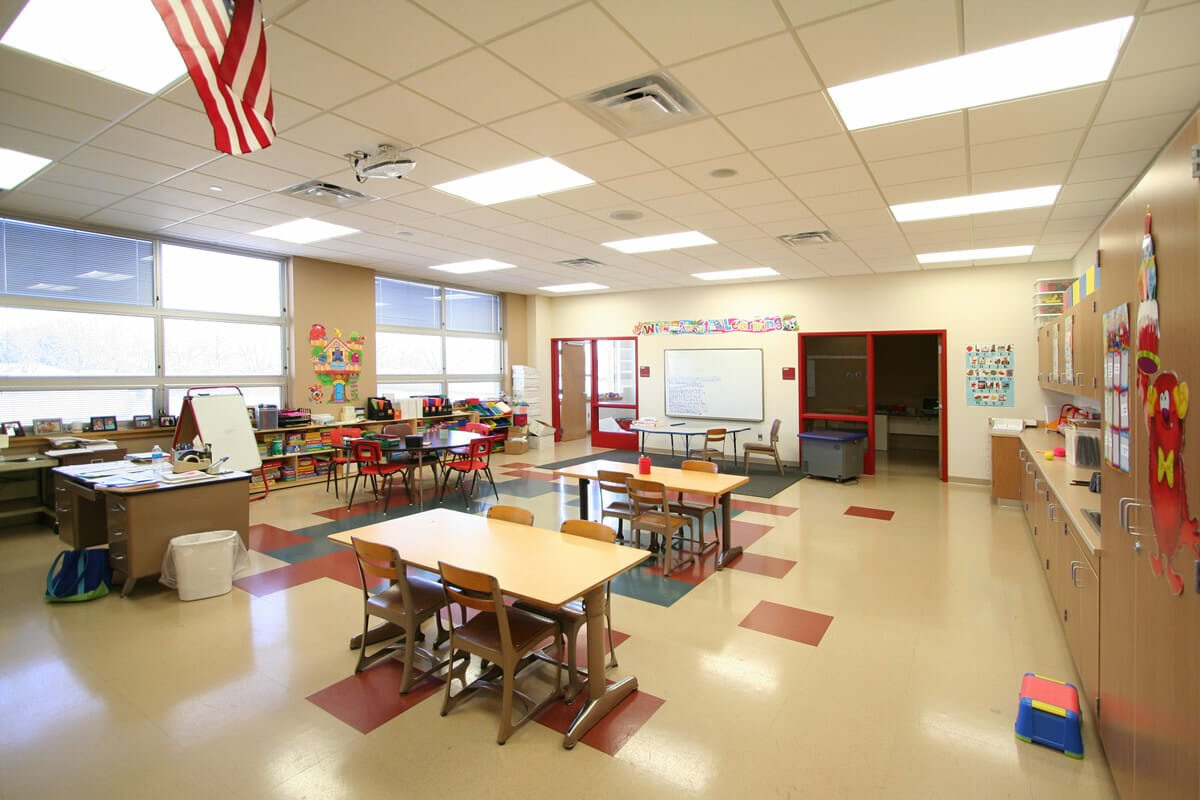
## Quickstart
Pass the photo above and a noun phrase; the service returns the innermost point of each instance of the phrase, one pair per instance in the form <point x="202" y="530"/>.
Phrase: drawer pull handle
<point x="1075" y="565"/>
<point x="1050" y="511"/>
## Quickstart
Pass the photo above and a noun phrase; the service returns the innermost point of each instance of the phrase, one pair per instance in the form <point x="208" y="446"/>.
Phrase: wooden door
<point x="573" y="395"/>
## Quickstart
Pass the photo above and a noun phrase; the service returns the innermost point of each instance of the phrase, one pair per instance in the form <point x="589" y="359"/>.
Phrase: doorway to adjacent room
<point x="595" y="390"/>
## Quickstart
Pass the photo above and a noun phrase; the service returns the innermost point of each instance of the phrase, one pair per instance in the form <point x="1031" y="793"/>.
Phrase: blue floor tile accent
<point x="318" y="546"/>
<point x="640" y="584"/>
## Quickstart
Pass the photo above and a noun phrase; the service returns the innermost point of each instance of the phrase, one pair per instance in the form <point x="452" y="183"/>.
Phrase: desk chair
<point x="339" y="458"/>
<point x="368" y="457"/>
<point x="506" y="638"/>
<point x="697" y="509"/>
<point x="479" y="456"/>
<point x="612" y="483"/>
<point x="771" y="449"/>
<point x="653" y="512"/>
<point x="714" y="445"/>
<point x="407" y="602"/>
<point x="571" y="616"/>
<point x="521" y="516"/>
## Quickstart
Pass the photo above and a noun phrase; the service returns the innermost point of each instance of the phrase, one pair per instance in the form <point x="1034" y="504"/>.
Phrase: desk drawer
<point x="116" y="514"/>
<point x="118" y="556"/>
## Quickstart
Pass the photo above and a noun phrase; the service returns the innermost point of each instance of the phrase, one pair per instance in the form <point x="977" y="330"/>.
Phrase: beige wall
<point x="983" y="304"/>
<point x="516" y="336"/>
<point x="337" y="296"/>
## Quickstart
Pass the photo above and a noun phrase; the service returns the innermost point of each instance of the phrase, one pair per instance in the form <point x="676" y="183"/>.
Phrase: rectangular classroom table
<point x="719" y="485"/>
<point x="687" y="432"/>
<point x="518" y="556"/>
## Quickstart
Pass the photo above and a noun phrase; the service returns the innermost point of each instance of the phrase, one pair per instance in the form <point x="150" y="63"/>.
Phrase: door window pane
<point x="75" y="405"/>
<point x="410" y="305"/>
<point x="409" y="354"/>
<point x="70" y="344"/>
<point x="474" y="312"/>
<point x="208" y="280"/>
<point x="200" y="347"/>
<point x="616" y="371"/>
<point x="469" y="356"/>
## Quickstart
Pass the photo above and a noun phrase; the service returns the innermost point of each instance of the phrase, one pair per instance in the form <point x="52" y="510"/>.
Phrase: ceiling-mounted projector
<point x="388" y="162"/>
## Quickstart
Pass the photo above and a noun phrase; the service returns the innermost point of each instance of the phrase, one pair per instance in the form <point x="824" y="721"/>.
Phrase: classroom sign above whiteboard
<point x="680" y="327"/>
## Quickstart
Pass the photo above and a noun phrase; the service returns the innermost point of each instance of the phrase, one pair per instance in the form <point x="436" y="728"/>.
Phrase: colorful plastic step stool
<point x="1049" y="714"/>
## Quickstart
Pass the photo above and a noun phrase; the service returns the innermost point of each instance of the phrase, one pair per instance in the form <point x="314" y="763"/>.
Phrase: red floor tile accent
<point x="610" y="734"/>
<point x="763" y="565"/>
<point x="339" y="566"/>
<point x="367" y="700"/>
<point x="786" y="622"/>
<point x="869" y="513"/>
<point x="537" y="475"/>
<point x="518" y="465"/>
<point x="763" y="508"/>
<point x="693" y="573"/>
<point x="265" y="538"/>
<point x="745" y="534"/>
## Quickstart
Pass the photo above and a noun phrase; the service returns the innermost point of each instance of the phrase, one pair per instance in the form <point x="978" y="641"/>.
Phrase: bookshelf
<point x="496" y="415"/>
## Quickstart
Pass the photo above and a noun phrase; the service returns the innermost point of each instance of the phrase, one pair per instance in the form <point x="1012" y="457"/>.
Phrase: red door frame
<point x="869" y="418"/>
<point x="598" y="439"/>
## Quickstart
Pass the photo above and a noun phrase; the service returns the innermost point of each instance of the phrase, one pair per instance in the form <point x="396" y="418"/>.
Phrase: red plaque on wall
<point x="789" y="373"/>
<point x="643" y="372"/>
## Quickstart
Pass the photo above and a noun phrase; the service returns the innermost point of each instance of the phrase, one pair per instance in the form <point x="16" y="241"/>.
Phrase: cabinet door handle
<point x="1050" y="511"/>
<point x="1075" y="565"/>
<point x="1126" y="505"/>
<point x="1029" y="467"/>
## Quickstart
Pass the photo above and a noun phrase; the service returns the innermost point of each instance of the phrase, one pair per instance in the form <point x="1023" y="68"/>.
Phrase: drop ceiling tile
<point x="485" y="218"/>
<point x="1053" y="252"/>
<point x="1147" y="95"/>
<point x="830" y="181"/>
<point x="1091" y="208"/>
<point x="37" y="144"/>
<point x="152" y="208"/>
<point x="693" y="203"/>
<point x="95" y="198"/>
<point x="1134" y="134"/>
<point x="849" y="220"/>
<point x="484" y="21"/>
<point x="824" y="205"/>
<point x="203" y="234"/>
<point x="91" y="179"/>
<point x="481" y="149"/>
<point x="814" y="155"/>
<point x="1026" y="151"/>
<point x="787" y="211"/>
<point x="784" y="225"/>
<point x="804" y="12"/>
<point x="586" y="198"/>
<point x="549" y="52"/>
<point x="456" y="83"/>
<point x="928" y="166"/>
<point x="1003" y="235"/>
<point x="198" y="203"/>
<point x="200" y="184"/>
<point x="1122" y="165"/>
<point x="313" y="74"/>
<point x="1018" y="216"/>
<point x="884" y="38"/>
<point x="675" y="30"/>
<point x="431" y="201"/>
<point x="290" y="112"/>
<point x="911" y="138"/>
<point x="1073" y="225"/>
<point x="1059" y="111"/>
<point x="897" y="264"/>
<point x="335" y="135"/>
<point x="128" y="220"/>
<point x="25" y="203"/>
<point x="1076" y="238"/>
<point x="651" y="185"/>
<point x="1086" y="191"/>
<point x="392" y="38"/>
<point x="244" y="171"/>
<point x="928" y="190"/>
<point x="760" y="72"/>
<point x="139" y="143"/>
<point x="1161" y="41"/>
<point x="988" y="24"/>
<point x="792" y="120"/>
<point x="101" y="160"/>
<point x="730" y="226"/>
<point x="920" y="229"/>
<point x="607" y="162"/>
<point x="554" y="129"/>
<point x="748" y="168"/>
<point x="26" y="112"/>
<point x="683" y="144"/>
<point x="1019" y="178"/>
<point x="174" y="121"/>
<point x="30" y="76"/>
<point x="752" y="194"/>
<point x="843" y="269"/>
<point x="295" y="158"/>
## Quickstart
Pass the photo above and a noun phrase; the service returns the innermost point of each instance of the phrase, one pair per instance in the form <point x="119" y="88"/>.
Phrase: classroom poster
<point x="696" y="327"/>
<point x="990" y="375"/>
<point x="1116" y="387"/>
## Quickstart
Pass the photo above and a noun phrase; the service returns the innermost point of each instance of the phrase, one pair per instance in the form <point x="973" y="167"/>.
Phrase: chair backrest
<point x="613" y="481"/>
<point x="521" y="516"/>
<point x="715" y="435"/>
<point x="647" y="496"/>
<point x="397" y="429"/>
<point x="338" y="436"/>
<point x="381" y="562"/>
<point x="699" y="466"/>
<point x="366" y="451"/>
<point x="589" y="530"/>
<point x="479" y="591"/>
<point x="480" y="449"/>
<point x="775" y="430"/>
<point x="477" y="427"/>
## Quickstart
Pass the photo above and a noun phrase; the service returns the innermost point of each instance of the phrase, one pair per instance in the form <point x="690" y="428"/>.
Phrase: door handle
<point x="1126" y="505"/>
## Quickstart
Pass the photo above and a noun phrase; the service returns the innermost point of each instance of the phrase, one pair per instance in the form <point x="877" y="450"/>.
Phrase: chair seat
<point x="381" y="469"/>
<point x="525" y="628"/>
<point x="427" y="595"/>
<point x="618" y="507"/>
<point x="660" y="522"/>
<point x="755" y="447"/>
<point x="466" y="464"/>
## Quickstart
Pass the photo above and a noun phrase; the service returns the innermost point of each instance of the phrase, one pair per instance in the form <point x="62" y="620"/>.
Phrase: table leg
<point x="728" y="552"/>
<point x="583" y="498"/>
<point x="601" y="698"/>
<point x="420" y="480"/>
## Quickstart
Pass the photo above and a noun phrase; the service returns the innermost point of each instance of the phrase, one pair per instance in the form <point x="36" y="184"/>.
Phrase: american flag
<point x="222" y="44"/>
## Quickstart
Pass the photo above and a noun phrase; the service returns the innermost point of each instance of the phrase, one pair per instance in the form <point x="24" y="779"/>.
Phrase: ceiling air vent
<point x="327" y="194"/>
<point x="644" y="104"/>
<point x="580" y="262"/>
<point x="807" y="237"/>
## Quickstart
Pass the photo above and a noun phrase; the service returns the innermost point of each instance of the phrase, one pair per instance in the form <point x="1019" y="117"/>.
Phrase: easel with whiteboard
<point x="219" y="421"/>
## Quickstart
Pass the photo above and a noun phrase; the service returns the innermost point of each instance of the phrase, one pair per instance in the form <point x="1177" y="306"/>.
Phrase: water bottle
<point x="158" y="459"/>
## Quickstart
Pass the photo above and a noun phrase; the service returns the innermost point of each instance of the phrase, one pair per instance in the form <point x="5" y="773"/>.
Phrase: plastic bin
<point x="202" y="564"/>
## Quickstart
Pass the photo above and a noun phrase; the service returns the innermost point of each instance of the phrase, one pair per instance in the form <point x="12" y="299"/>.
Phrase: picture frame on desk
<point x="250" y="412"/>
<point x="104" y="424"/>
<point x="143" y="421"/>
<point x="12" y="429"/>
<point x="166" y="421"/>
<point x="41" y="427"/>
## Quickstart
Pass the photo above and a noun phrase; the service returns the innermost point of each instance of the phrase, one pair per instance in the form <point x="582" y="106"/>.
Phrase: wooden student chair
<point x="699" y="509"/>
<point x="407" y="602"/>
<point x="505" y="638"/>
<point x="340" y="458"/>
<point x="771" y="449"/>
<point x="612" y="485"/>
<point x="653" y="512"/>
<point x="714" y="444"/>
<point x="521" y="516"/>
<point x="368" y="458"/>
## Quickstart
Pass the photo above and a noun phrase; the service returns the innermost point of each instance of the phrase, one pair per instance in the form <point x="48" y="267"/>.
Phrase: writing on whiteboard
<point x="687" y="396"/>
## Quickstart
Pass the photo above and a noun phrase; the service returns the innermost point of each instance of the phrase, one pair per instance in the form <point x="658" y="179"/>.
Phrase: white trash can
<point x="201" y="565"/>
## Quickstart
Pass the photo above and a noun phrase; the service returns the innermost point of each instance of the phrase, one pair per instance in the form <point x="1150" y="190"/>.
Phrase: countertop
<point x="1058" y="474"/>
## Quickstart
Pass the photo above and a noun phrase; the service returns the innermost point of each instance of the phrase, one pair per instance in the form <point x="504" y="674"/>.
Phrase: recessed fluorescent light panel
<point x="1036" y="66"/>
<point x="983" y="254"/>
<point x="16" y="166"/>
<point x="305" y="231"/>
<point x="666" y="241"/>
<point x="478" y="265"/>
<point x="543" y="176"/>
<point x="963" y="206"/>
<point x="735" y="274"/>
<point x="124" y="41"/>
<point x="573" y="287"/>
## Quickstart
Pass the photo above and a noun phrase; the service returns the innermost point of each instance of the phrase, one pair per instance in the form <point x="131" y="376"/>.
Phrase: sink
<point x="1092" y="517"/>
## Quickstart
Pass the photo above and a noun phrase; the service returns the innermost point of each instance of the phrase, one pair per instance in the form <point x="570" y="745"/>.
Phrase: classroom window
<point x="408" y="305"/>
<point x="409" y="354"/>
<point x="254" y="396"/>
<point x="38" y="342"/>
<point x="75" y="405"/>
<point x="472" y="312"/>
<point x="470" y="356"/>
<point x="399" y="391"/>
<point x="483" y="390"/>
<point x="209" y="280"/>
<point x="207" y="347"/>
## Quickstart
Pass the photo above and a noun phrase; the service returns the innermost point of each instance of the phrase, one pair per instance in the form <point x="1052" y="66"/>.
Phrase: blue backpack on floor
<point x="78" y="575"/>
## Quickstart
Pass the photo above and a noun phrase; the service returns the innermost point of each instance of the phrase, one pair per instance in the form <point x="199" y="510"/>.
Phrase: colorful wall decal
<point x="336" y="364"/>
<point x="1116" y="388"/>
<point x="681" y="327"/>
<point x="989" y="373"/>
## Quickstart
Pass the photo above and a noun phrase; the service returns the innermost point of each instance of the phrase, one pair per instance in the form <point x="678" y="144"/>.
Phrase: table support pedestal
<point x="601" y="698"/>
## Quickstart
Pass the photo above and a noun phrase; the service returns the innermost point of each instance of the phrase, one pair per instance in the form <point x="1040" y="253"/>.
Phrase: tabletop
<point x="432" y="441"/>
<point x="535" y="564"/>
<point x="689" y="430"/>
<point x="680" y="480"/>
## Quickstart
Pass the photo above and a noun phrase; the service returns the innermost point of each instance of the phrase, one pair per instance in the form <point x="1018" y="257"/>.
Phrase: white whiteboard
<point x="714" y="384"/>
<point x="223" y="423"/>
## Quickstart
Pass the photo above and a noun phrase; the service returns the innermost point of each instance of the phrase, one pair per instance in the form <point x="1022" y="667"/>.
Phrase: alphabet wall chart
<point x="990" y="375"/>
